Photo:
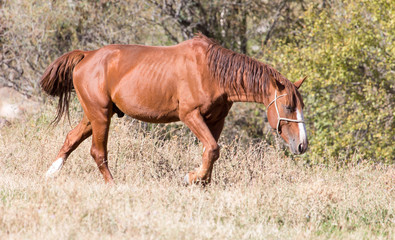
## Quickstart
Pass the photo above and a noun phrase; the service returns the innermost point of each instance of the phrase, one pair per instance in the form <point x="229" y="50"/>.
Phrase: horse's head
<point x="285" y="115"/>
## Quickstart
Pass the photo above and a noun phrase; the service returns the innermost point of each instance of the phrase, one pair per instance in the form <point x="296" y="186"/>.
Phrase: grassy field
<point x="257" y="192"/>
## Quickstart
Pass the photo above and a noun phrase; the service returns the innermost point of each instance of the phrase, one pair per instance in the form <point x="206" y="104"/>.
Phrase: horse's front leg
<point x="208" y="135"/>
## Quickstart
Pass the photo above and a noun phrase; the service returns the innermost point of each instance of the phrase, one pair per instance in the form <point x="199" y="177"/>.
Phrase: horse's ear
<point x="299" y="82"/>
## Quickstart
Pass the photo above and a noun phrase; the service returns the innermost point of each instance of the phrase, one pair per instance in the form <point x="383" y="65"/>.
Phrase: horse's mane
<point x="243" y="74"/>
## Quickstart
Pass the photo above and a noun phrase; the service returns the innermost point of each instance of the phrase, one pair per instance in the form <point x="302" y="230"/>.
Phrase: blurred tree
<point x="34" y="33"/>
<point x="30" y="39"/>
<point x="232" y="23"/>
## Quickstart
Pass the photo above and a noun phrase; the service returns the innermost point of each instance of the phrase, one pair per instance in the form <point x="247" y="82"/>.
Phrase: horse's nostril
<point x="300" y="148"/>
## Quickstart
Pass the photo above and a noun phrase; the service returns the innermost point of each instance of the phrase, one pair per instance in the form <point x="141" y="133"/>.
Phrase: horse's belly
<point x="155" y="112"/>
<point x="146" y="100"/>
<point x="153" y="116"/>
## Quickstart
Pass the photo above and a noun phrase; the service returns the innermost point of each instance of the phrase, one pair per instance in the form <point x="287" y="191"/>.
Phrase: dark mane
<point x="242" y="74"/>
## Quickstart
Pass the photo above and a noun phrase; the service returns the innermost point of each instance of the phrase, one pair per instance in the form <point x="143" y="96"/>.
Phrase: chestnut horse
<point x="195" y="82"/>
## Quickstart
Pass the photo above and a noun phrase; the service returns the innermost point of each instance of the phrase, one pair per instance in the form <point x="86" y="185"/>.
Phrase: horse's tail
<point x="57" y="80"/>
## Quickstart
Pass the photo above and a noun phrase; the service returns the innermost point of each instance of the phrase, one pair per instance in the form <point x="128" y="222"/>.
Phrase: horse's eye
<point x="289" y="108"/>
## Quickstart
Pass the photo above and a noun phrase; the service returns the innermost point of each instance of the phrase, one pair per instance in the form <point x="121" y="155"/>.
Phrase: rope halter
<point x="279" y="119"/>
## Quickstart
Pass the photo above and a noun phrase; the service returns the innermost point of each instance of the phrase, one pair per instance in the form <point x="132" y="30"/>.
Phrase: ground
<point x="257" y="191"/>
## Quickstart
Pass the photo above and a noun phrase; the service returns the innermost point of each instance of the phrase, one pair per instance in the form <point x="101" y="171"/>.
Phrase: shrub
<point x="347" y="50"/>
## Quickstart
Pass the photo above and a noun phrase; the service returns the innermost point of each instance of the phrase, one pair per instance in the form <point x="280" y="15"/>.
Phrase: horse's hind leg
<point x="100" y="127"/>
<point x="82" y="131"/>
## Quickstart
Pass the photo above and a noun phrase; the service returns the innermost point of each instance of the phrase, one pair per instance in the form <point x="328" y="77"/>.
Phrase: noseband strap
<point x="279" y="119"/>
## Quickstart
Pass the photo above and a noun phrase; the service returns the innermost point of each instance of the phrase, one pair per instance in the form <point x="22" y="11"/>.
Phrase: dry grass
<point x="257" y="192"/>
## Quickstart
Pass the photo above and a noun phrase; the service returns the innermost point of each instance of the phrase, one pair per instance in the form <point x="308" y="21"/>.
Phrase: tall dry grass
<point x="257" y="192"/>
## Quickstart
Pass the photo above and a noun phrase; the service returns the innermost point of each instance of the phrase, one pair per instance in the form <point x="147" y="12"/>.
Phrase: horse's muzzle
<point x="298" y="148"/>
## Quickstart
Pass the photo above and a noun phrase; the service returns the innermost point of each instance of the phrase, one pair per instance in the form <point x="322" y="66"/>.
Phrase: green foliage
<point x="348" y="53"/>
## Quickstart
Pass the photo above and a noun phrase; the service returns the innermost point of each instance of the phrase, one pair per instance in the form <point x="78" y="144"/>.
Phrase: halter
<point x="278" y="114"/>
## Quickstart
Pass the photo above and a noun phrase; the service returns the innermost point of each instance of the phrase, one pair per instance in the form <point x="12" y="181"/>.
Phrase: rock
<point x="14" y="105"/>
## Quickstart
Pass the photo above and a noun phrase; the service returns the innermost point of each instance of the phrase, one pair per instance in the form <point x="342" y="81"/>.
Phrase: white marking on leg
<point x="302" y="127"/>
<point x="55" y="168"/>
<point x="186" y="179"/>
